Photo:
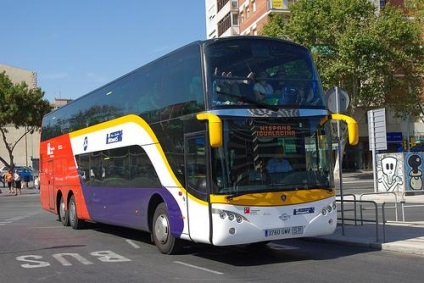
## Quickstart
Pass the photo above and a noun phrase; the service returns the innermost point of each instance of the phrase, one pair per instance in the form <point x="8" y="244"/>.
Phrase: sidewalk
<point x="25" y="191"/>
<point x="404" y="237"/>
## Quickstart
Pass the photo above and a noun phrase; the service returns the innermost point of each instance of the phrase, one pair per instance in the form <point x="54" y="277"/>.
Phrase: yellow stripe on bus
<point x="274" y="198"/>
<point x="116" y="122"/>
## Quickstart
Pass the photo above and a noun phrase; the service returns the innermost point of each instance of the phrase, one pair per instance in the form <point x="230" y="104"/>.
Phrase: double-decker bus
<point x="180" y="148"/>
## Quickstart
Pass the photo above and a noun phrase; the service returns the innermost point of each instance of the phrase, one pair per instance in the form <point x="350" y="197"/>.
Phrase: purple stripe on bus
<point x="128" y="206"/>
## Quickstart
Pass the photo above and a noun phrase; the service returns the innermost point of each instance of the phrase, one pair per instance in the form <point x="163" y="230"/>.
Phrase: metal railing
<point x="385" y="193"/>
<point x="358" y="205"/>
<point x="362" y="220"/>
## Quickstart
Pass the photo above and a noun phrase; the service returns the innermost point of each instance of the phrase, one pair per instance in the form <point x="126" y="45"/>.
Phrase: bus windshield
<point x="261" y="72"/>
<point x="261" y="155"/>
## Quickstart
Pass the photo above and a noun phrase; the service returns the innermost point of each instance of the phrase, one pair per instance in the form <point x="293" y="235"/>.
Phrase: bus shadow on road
<point x="127" y="233"/>
<point x="275" y="252"/>
<point x="292" y="250"/>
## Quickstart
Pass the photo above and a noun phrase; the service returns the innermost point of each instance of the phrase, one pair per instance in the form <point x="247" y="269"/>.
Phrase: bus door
<point x="197" y="185"/>
<point x="50" y="183"/>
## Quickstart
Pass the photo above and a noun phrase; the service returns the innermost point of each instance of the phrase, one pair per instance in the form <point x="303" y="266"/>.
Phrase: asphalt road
<point x="35" y="247"/>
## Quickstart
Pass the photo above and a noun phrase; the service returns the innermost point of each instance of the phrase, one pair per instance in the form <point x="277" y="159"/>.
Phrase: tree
<point x="415" y="9"/>
<point x="21" y="107"/>
<point x="376" y="58"/>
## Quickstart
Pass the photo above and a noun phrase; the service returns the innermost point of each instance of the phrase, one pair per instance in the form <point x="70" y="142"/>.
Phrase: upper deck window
<point x="261" y="72"/>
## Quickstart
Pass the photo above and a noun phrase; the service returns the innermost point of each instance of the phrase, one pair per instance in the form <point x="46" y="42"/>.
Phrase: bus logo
<point x="50" y="149"/>
<point x="284" y="217"/>
<point x="114" y="137"/>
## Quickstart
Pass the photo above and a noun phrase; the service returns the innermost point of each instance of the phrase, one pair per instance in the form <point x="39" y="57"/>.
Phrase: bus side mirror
<point x="215" y="128"/>
<point x="352" y="126"/>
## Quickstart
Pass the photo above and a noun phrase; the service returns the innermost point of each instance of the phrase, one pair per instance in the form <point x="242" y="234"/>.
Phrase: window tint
<point x="148" y="92"/>
<point x="196" y="166"/>
<point x="182" y="84"/>
<point x="148" y="88"/>
<point x="120" y="167"/>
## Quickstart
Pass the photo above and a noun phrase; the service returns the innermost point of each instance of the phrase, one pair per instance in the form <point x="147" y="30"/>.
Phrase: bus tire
<point x="161" y="231"/>
<point x="63" y="214"/>
<point x="73" y="216"/>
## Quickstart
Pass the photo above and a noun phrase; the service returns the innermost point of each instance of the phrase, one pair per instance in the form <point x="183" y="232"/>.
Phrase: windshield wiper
<point x="251" y="101"/>
<point x="239" y="194"/>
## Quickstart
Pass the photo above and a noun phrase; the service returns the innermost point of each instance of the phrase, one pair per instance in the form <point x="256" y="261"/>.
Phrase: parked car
<point x="25" y="173"/>
<point x="3" y="171"/>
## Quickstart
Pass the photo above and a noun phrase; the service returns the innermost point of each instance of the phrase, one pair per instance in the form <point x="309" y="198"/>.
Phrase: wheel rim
<point x="72" y="212"/>
<point x="62" y="209"/>
<point x="162" y="228"/>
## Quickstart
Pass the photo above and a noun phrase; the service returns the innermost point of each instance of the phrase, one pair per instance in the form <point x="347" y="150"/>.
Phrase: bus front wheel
<point x="73" y="216"/>
<point x="63" y="214"/>
<point x="161" y="230"/>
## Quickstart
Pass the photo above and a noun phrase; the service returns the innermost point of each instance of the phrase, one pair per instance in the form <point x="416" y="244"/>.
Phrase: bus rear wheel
<point x="161" y="230"/>
<point x="63" y="214"/>
<point x="73" y="216"/>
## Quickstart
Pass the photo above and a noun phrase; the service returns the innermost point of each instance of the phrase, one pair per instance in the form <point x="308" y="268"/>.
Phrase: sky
<point x="77" y="46"/>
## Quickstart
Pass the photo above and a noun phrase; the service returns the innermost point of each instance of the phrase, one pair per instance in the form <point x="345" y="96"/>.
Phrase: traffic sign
<point x="337" y="100"/>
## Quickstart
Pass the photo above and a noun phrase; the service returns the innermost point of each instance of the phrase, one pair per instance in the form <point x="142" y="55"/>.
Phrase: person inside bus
<point x="262" y="88"/>
<point x="287" y="92"/>
<point x="279" y="82"/>
<point x="277" y="166"/>
<point x="226" y="91"/>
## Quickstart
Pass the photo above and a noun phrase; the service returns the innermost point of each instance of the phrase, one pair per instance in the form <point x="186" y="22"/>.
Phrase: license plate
<point x="296" y="230"/>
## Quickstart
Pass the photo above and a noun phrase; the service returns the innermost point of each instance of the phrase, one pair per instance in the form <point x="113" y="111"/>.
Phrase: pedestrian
<point x="18" y="183"/>
<point x="8" y="177"/>
<point x="37" y="184"/>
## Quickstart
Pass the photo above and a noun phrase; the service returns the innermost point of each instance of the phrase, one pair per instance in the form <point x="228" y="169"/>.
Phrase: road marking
<point x="16" y="218"/>
<point x="198" y="267"/>
<point x="134" y="245"/>
<point x="11" y="220"/>
<point x="34" y="261"/>
<point x="61" y="258"/>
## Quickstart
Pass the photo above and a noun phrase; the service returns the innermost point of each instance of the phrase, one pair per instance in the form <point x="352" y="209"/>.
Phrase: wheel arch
<point x="153" y="204"/>
<point x="66" y="197"/>
<point x="59" y="195"/>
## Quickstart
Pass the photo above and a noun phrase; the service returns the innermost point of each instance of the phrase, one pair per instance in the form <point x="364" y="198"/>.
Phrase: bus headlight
<point x="239" y="218"/>
<point x="222" y="215"/>
<point x="329" y="208"/>
<point x="231" y="216"/>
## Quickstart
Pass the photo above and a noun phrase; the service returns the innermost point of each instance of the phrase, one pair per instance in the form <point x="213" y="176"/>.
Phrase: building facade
<point x="26" y="151"/>
<point x="247" y="17"/>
